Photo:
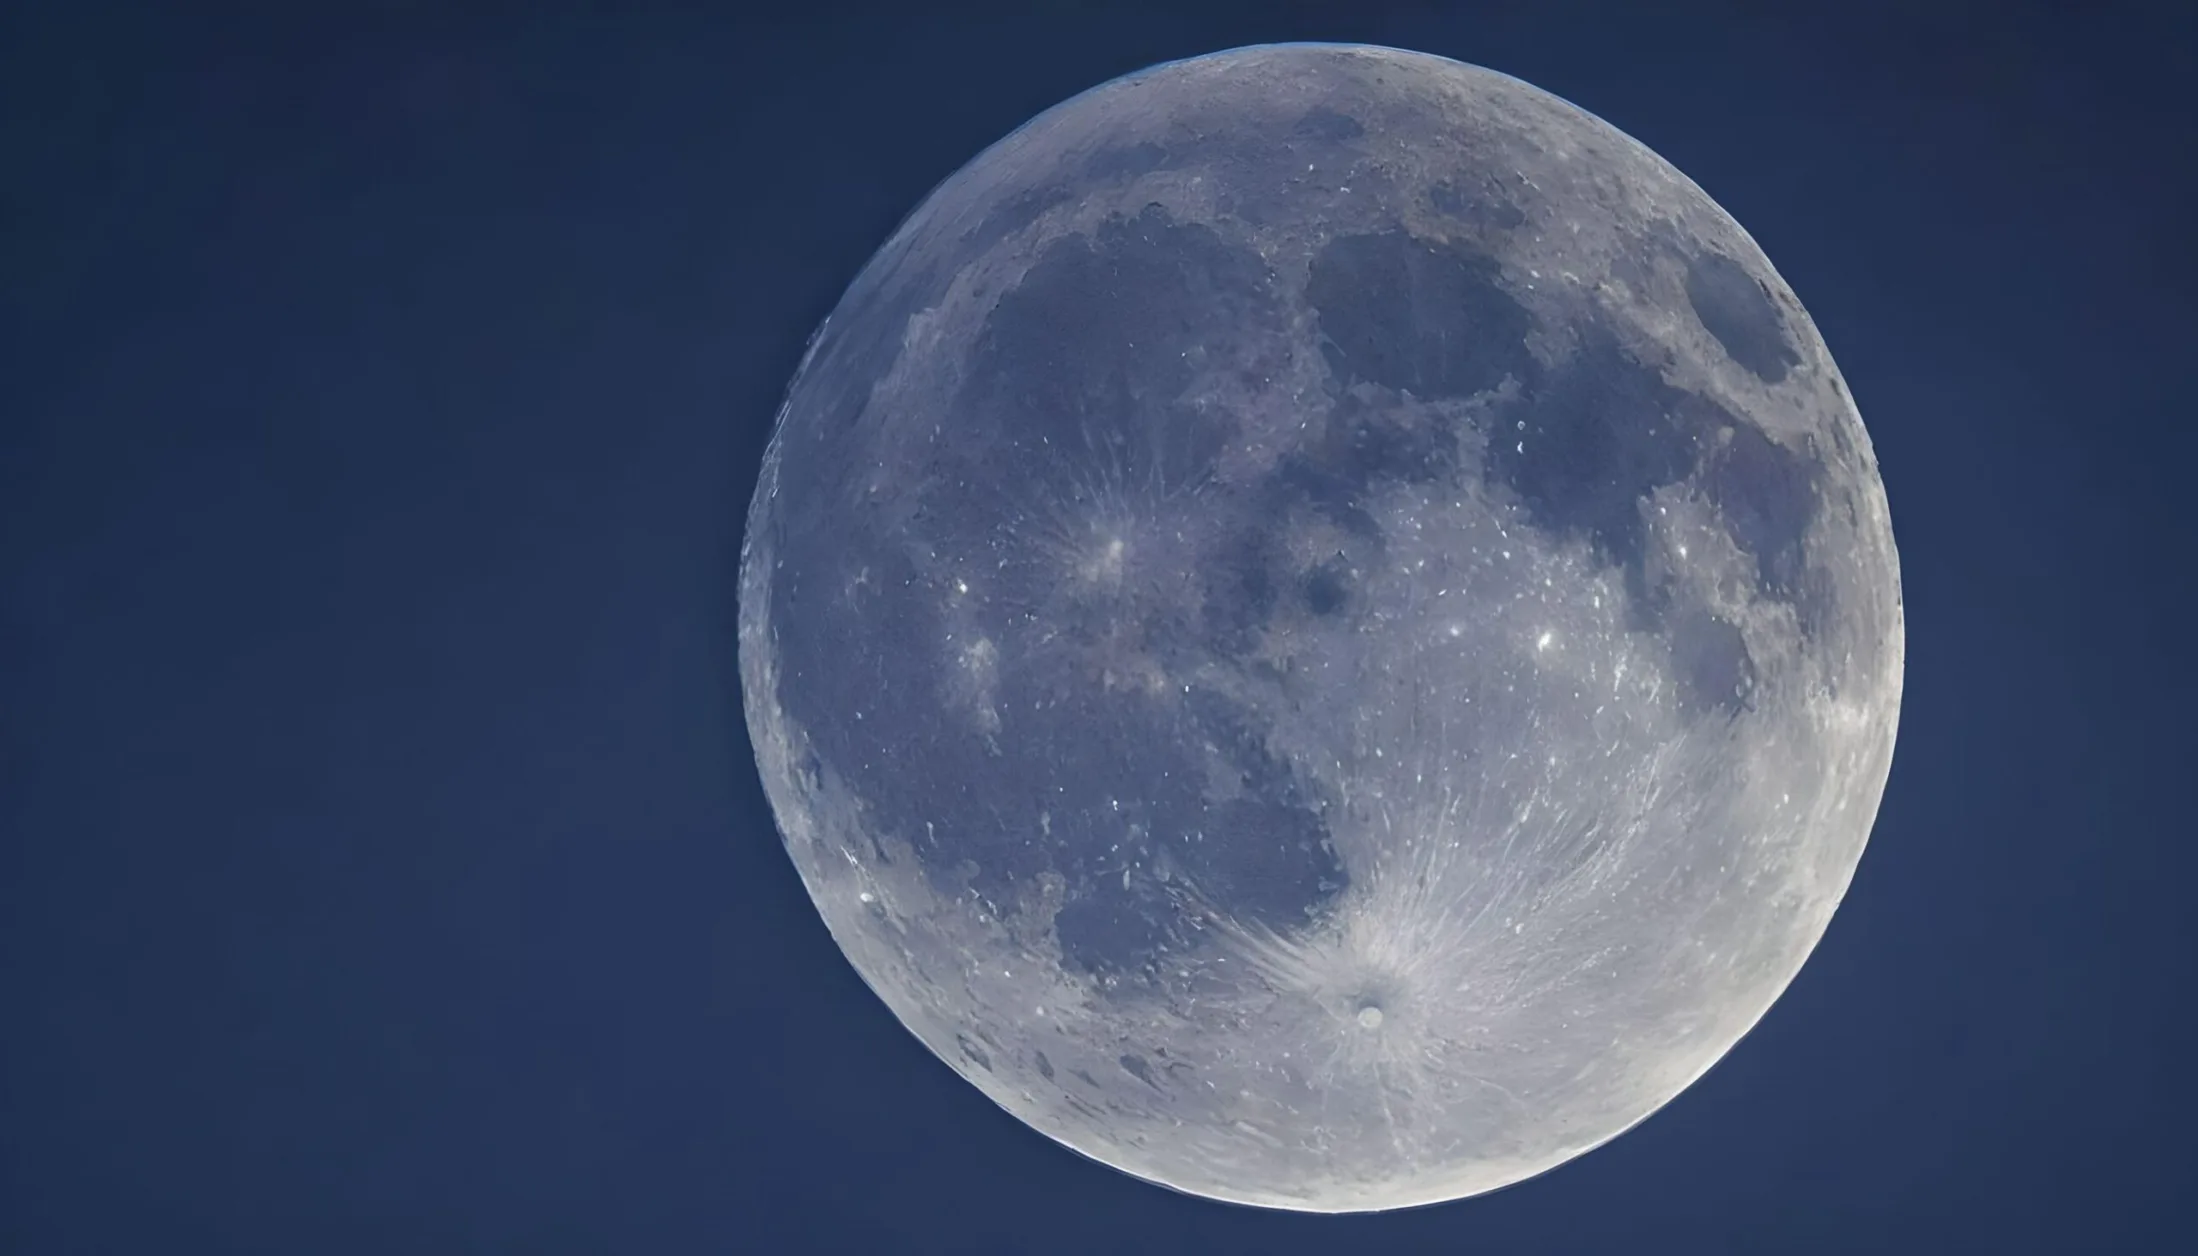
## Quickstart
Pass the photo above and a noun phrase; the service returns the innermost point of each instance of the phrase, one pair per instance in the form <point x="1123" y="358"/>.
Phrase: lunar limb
<point x="1320" y="625"/>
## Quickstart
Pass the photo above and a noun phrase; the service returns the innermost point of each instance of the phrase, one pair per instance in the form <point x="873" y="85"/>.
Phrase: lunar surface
<point x="1320" y="625"/>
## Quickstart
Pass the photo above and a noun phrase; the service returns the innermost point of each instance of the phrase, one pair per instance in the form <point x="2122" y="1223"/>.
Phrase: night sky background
<point x="383" y="866"/>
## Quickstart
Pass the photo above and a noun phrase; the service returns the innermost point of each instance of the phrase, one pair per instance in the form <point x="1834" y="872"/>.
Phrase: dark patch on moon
<point x="1334" y="491"/>
<point x="1767" y="497"/>
<point x="1240" y="576"/>
<point x="1136" y="1067"/>
<point x="1223" y="723"/>
<point x="1327" y="590"/>
<point x="1734" y="308"/>
<point x="1264" y="861"/>
<point x="1253" y="579"/>
<point x="1262" y="857"/>
<point x="860" y="343"/>
<point x="1080" y="370"/>
<point x="1072" y="399"/>
<point x="1369" y="442"/>
<point x="973" y="1053"/>
<point x="1416" y="316"/>
<point x="1485" y="210"/>
<point x="841" y="662"/>
<point x="1110" y="931"/>
<point x="1123" y="162"/>
<point x="1710" y="659"/>
<point x="1045" y="1066"/>
<point x="1585" y="447"/>
<point x="1322" y="123"/>
<point x="1013" y="215"/>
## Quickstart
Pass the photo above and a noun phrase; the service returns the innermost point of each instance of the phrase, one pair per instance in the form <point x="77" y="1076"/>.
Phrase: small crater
<point x="1738" y="312"/>
<point x="1045" y="1066"/>
<point x="974" y="1053"/>
<point x="1327" y="587"/>
<point x="1136" y="1067"/>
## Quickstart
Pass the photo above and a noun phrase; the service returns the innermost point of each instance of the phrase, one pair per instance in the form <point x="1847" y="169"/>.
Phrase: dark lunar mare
<point x="1074" y="402"/>
<point x="1583" y="443"/>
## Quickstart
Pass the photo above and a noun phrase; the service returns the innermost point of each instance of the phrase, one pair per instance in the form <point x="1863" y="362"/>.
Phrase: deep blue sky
<point x="384" y="865"/>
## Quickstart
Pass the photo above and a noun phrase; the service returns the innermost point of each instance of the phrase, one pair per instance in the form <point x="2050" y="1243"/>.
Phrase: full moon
<point x="1320" y="625"/>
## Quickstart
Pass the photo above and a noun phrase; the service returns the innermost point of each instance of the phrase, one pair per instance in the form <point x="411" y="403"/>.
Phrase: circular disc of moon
<point x="1320" y="625"/>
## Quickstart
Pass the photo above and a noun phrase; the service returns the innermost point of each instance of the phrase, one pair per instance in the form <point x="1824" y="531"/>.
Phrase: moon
<point x="1320" y="625"/>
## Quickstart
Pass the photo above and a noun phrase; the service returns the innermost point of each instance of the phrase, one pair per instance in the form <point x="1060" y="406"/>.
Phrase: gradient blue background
<point x="382" y="863"/>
